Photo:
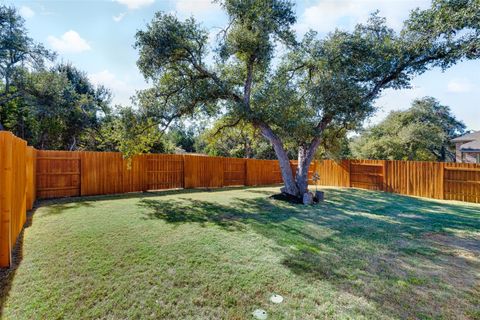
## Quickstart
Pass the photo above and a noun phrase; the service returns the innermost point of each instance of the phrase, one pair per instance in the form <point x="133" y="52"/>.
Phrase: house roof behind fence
<point x="471" y="146"/>
<point x="474" y="136"/>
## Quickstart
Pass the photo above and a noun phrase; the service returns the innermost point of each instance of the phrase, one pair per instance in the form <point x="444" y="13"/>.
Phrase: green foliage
<point x="335" y="145"/>
<point x="322" y="88"/>
<point x="182" y="137"/>
<point x="17" y="52"/>
<point x="422" y="132"/>
<point x="173" y="55"/>
<point x="252" y="26"/>
<point x="51" y="108"/>
<point x="239" y="141"/>
<point x="58" y="108"/>
<point x="119" y="133"/>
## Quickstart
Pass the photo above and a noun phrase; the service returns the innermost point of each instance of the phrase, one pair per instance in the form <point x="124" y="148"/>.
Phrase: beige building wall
<point x="470" y="157"/>
<point x="458" y="154"/>
<point x="465" y="157"/>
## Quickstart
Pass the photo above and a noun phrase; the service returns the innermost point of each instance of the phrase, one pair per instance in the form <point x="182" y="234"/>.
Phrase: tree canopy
<point x="241" y="141"/>
<point x="54" y="107"/>
<point x="302" y="99"/>
<point x="17" y="51"/>
<point x="423" y="132"/>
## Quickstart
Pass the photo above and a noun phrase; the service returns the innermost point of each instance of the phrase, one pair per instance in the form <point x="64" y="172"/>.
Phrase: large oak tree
<point x="320" y="87"/>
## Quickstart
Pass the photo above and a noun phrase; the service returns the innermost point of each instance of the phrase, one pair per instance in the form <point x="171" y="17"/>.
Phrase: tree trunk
<point x="305" y="157"/>
<point x="73" y="145"/>
<point x="301" y="178"/>
<point x="297" y="186"/>
<point x="285" y="168"/>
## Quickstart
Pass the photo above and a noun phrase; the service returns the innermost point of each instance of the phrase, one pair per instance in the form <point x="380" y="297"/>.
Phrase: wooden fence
<point x="67" y="174"/>
<point x="27" y="174"/>
<point x="17" y="190"/>
<point x="437" y="180"/>
<point x="64" y="174"/>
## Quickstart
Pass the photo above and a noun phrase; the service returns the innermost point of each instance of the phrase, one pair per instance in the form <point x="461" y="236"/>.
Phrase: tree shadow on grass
<point x="412" y="257"/>
<point x="132" y="195"/>
<point x="63" y="207"/>
<point x="262" y="192"/>
<point x="194" y="211"/>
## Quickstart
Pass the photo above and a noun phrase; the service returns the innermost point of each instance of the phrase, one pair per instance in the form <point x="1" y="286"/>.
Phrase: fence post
<point x="184" y="172"/>
<point x="349" y="161"/>
<point x="6" y="145"/>
<point x="245" y="166"/>
<point x="222" y="168"/>
<point x="81" y="163"/>
<point x="80" y="169"/>
<point x="442" y="180"/>
<point x="384" y="173"/>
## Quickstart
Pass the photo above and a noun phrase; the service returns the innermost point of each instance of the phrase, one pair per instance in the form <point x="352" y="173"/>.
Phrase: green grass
<point x="220" y="255"/>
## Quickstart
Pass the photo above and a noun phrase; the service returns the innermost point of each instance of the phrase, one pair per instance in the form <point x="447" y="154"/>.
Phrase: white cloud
<point x="26" y="12"/>
<point x="44" y="11"/>
<point x="122" y="89"/>
<point x="107" y="79"/>
<point x="135" y="4"/>
<point x="461" y="85"/>
<point x="197" y="7"/>
<point x="119" y="17"/>
<point x="325" y="15"/>
<point x="69" y="42"/>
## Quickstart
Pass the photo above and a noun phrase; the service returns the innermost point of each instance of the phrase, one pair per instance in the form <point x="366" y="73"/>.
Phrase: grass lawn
<point x="222" y="254"/>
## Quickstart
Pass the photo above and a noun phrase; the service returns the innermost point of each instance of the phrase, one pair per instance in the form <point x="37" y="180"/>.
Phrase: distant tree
<point x="18" y="53"/>
<point x="335" y="145"/>
<point x="85" y="107"/>
<point x="182" y="137"/>
<point x="243" y="140"/>
<point x="116" y="134"/>
<point x="58" y="109"/>
<point x="54" y="108"/>
<point x="44" y="105"/>
<point x="320" y="87"/>
<point x="422" y="132"/>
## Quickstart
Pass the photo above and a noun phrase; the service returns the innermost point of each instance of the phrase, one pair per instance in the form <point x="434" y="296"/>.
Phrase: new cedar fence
<point x="17" y="190"/>
<point x="27" y="174"/>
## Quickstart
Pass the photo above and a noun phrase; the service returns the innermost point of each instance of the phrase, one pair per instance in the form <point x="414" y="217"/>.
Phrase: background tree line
<point x="52" y="106"/>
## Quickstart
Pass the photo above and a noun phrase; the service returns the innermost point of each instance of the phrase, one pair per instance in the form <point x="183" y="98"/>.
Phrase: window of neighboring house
<point x="462" y="158"/>
<point x="478" y="157"/>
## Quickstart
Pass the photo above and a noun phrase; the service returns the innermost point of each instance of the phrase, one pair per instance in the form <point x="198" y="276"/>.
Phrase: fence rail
<point x="27" y="174"/>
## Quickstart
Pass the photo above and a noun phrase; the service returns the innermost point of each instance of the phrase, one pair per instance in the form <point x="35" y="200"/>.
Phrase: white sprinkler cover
<point x="276" y="298"/>
<point x="260" y="314"/>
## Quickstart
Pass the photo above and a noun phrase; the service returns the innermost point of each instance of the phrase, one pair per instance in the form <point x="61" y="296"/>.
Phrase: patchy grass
<point x="214" y="255"/>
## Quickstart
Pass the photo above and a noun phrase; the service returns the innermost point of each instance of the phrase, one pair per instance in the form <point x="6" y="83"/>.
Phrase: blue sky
<point x="98" y="37"/>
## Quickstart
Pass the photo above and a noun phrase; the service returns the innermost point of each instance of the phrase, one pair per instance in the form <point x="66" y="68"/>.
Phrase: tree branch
<point x="6" y="98"/>
<point x="228" y="125"/>
<point x="402" y="67"/>
<point x="248" y="83"/>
